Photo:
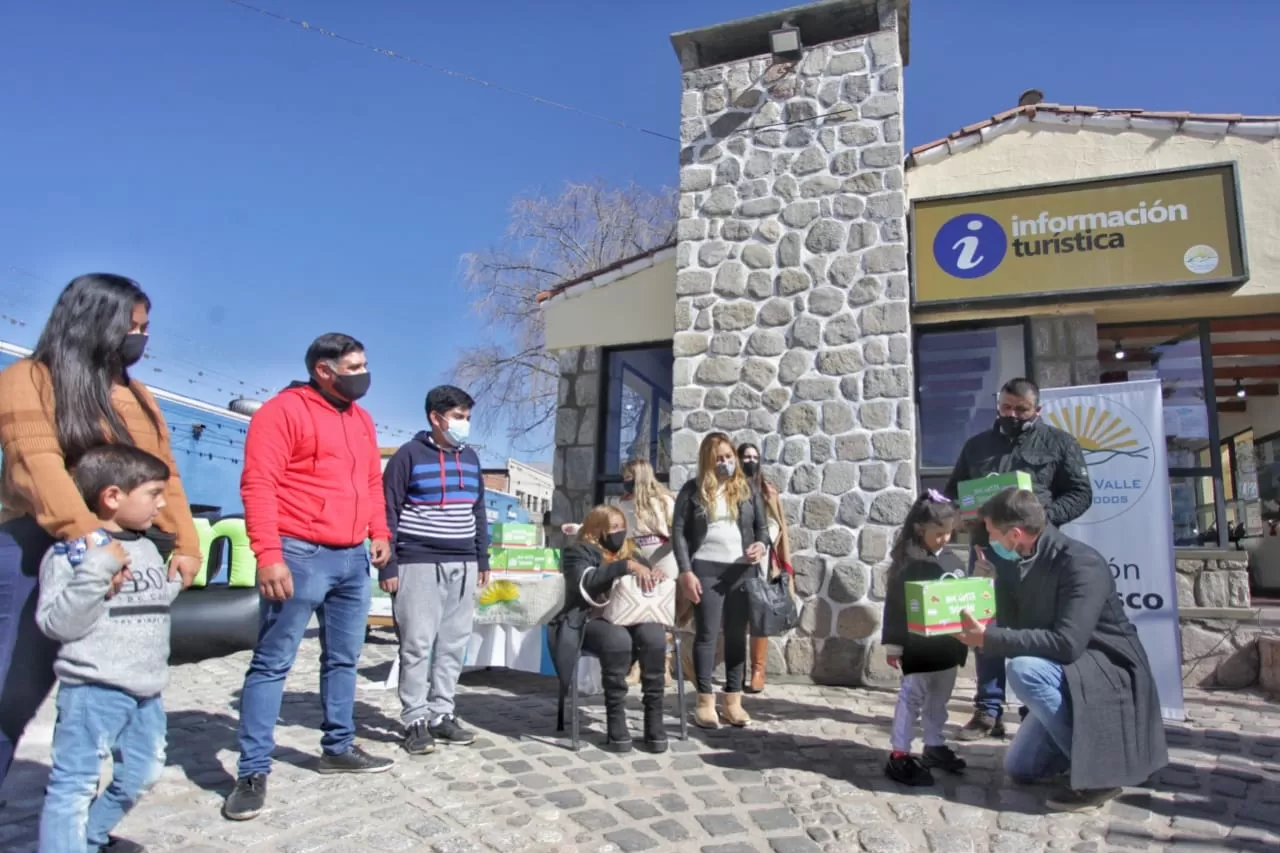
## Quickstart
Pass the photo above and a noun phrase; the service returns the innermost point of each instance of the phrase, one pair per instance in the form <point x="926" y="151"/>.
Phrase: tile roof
<point x="1095" y="118"/>
<point x="613" y="271"/>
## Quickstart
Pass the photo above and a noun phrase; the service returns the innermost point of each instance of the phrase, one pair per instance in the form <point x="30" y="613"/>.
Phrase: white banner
<point x="1121" y="430"/>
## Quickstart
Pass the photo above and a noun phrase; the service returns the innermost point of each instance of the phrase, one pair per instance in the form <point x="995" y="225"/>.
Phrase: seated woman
<point x="602" y="555"/>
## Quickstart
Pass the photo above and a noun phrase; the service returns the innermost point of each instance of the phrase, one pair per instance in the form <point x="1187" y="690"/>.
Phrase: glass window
<point x="637" y="422"/>
<point x="960" y="373"/>
<point x="1191" y="499"/>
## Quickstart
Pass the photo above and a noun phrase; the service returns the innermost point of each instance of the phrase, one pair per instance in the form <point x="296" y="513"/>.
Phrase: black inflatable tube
<point x="212" y="622"/>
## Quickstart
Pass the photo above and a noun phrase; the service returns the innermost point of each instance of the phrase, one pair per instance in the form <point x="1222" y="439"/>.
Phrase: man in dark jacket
<point x="1019" y="441"/>
<point x="1075" y="660"/>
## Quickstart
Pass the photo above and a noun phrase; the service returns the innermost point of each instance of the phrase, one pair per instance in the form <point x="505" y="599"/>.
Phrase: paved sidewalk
<point x="807" y="777"/>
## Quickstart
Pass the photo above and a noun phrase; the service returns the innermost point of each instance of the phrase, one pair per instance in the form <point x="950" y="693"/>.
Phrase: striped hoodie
<point x="435" y="506"/>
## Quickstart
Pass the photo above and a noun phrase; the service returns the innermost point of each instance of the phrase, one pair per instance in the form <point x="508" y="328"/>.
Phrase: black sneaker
<point x="944" y="758"/>
<point x="246" y="800"/>
<point x="981" y="725"/>
<point x="908" y="770"/>
<point x="354" y="760"/>
<point x="449" y="732"/>
<point x="121" y="845"/>
<point x="417" y="740"/>
<point x="1068" y="800"/>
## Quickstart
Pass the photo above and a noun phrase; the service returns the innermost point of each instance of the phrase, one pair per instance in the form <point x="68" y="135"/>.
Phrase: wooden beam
<point x="1246" y="324"/>
<point x="1234" y="406"/>
<point x="1228" y="349"/>
<point x="1264" y="389"/>
<point x="1163" y="332"/>
<point x="1257" y="371"/>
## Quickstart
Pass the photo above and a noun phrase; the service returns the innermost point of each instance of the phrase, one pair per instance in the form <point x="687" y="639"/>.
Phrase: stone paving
<point x="806" y="778"/>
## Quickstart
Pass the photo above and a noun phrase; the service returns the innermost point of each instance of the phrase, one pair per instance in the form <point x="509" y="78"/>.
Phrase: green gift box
<point x="507" y="535"/>
<point x="974" y="493"/>
<point x="524" y="560"/>
<point x="933" y="607"/>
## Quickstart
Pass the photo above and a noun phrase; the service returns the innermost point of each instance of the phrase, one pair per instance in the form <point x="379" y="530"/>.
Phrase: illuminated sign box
<point x="1079" y="240"/>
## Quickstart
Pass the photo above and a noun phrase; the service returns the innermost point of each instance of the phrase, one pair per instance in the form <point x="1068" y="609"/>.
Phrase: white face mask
<point x="459" y="431"/>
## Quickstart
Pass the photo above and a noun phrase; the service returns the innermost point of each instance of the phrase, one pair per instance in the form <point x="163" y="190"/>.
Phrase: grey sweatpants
<point x="433" y="608"/>
<point x="923" y="696"/>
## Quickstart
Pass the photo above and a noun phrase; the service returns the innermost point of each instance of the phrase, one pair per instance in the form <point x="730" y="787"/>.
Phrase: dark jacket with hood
<point x="435" y="506"/>
<point x="689" y="527"/>
<point x="1065" y="609"/>
<point x="1053" y="458"/>
<point x="919" y="654"/>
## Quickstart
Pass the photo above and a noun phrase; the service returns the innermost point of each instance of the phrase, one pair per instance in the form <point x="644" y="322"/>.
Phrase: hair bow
<point x="937" y="497"/>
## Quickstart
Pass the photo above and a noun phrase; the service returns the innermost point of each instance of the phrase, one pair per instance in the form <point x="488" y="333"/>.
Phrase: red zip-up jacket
<point x="311" y="472"/>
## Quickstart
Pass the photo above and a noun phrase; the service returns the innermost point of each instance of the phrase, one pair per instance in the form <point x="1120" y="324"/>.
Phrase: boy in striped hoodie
<point x="440" y="555"/>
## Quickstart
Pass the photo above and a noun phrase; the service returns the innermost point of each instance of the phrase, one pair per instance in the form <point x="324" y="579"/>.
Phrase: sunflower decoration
<point x="499" y="592"/>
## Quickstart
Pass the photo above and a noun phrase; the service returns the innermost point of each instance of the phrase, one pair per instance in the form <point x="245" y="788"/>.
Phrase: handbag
<point x="628" y="604"/>
<point x="771" y="609"/>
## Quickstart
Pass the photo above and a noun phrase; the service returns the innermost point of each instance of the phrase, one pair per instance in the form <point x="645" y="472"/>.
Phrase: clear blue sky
<point x="265" y="184"/>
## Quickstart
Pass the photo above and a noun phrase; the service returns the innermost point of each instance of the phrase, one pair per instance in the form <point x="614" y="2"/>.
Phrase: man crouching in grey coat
<point x="1075" y="660"/>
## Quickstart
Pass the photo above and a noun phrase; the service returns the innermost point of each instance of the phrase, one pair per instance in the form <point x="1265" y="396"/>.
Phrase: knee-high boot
<point x="759" y="656"/>
<point x="653" y="686"/>
<point x="613" y="677"/>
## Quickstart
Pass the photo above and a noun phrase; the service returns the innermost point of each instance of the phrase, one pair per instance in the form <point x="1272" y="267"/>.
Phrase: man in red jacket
<point x="312" y="491"/>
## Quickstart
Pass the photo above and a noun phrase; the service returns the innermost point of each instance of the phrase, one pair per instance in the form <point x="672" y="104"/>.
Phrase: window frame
<point x="605" y="403"/>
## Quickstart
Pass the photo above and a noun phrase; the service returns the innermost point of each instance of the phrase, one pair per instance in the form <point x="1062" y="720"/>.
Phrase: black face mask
<point x="132" y="348"/>
<point x="628" y="487"/>
<point x="352" y="386"/>
<point x="1011" y="427"/>
<point x="751" y="468"/>
<point x="613" y="542"/>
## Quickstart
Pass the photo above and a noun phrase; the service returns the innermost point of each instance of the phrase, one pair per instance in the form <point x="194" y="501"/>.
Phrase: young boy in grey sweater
<point x="106" y="599"/>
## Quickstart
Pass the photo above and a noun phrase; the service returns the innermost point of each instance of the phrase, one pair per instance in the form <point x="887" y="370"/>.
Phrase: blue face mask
<point x="1005" y="553"/>
<point x="459" y="431"/>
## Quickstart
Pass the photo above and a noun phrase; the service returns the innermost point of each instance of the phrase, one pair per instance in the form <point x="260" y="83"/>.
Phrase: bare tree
<point x="549" y="241"/>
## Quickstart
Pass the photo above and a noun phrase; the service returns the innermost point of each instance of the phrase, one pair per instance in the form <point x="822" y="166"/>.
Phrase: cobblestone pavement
<point x="806" y="777"/>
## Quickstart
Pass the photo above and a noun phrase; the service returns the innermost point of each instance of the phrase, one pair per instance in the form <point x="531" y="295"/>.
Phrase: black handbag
<point x="772" y="611"/>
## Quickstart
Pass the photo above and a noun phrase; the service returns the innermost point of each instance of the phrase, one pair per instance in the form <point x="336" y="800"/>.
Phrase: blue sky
<point x="266" y="184"/>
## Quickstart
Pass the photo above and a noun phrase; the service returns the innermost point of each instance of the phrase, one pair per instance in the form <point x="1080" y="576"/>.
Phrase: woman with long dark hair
<point x="72" y="394"/>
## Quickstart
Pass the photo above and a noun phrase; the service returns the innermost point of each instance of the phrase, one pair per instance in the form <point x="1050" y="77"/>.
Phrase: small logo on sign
<point x="1201" y="259"/>
<point x="970" y="245"/>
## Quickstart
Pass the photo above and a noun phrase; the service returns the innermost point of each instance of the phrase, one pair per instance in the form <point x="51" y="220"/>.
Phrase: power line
<point x="306" y="26"/>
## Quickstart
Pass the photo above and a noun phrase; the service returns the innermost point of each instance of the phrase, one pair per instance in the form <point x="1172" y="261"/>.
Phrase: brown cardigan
<point x="35" y="479"/>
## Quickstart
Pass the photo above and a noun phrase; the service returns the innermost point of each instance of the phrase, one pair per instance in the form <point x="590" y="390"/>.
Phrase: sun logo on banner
<point x="1103" y="435"/>
<point x="1118" y="451"/>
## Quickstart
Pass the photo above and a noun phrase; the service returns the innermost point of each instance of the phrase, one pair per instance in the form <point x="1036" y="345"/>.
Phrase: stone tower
<point x="791" y="326"/>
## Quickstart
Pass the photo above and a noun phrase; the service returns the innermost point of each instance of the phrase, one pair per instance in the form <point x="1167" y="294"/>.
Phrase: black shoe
<point x="354" y="760"/>
<point x="655" y="730"/>
<point x="246" y="800"/>
<point x="417" y="740"/>
<point x="121" y="845"/>
<point x="1087" y="800"/>
<point x="944" y="758"/>
<point x="981" y="725"/>
<point x="618" y="746"/>
<point x="448" y="731"/>
<point x="908" y="770"/>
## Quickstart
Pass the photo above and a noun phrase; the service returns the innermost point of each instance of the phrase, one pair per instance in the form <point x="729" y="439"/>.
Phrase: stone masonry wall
<point x="577" y="416"/>
<point x="791" y="318"/>
<point x="1064" y="351"/>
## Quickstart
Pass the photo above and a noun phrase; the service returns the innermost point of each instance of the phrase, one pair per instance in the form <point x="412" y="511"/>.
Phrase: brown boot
<point x="704" y="716"/>
<point x="759" y="654"/>
<point x="732" y="713"/>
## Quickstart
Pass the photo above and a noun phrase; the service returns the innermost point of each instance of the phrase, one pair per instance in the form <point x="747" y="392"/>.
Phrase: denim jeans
<point x="333" y="584"/>
<point x="95" y="722"/>
<point x="991" y="675"/>
<point x="26" y="655"/>
<point x="1042" y="747"/>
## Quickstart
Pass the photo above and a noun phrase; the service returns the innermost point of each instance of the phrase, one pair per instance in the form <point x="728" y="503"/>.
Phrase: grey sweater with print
<point x="120" y="642"/>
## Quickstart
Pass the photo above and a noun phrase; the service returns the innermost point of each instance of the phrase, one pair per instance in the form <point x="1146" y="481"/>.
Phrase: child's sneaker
<point x="943" y="757"/>
<point x="908" y="770"/>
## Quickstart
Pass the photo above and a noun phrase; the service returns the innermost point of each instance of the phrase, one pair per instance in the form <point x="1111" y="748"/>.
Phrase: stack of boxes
<point x="516" y="548"/>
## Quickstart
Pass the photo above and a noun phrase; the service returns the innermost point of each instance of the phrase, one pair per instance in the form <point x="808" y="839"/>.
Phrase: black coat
<point x="689" y="526"/>
<point x="1051" y="456"/>
<point x="565" y="630"/>
<point x="919" y="654"/>
<point x="1065" y="609"/>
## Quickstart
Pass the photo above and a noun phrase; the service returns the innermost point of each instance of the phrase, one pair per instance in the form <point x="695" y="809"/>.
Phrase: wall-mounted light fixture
<point x="1240" y="392"/>
<point x="1120" y="353"/>
<point x="785" y="41"/>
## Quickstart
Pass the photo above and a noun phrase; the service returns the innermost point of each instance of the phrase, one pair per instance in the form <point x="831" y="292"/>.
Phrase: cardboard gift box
<point x="524" y="559"/>
<point x="974" y="493"/>
<point x="933" y="607"/>
<point x="508" y="535"/>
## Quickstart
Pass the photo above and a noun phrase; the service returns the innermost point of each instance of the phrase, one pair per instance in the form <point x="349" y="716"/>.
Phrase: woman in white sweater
<point x="648" y="506"/>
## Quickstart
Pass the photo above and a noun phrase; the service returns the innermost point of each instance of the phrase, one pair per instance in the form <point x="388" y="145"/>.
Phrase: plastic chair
<point x="674" y="647"/>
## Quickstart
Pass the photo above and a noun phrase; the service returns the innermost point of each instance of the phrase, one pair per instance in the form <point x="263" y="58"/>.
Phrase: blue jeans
<point x="1042" y="747"/>
<point x="991" y="676"/>
<point x="95" y="722"/>
<point x="333" y="584"/>
<point x="26" y="655"/>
